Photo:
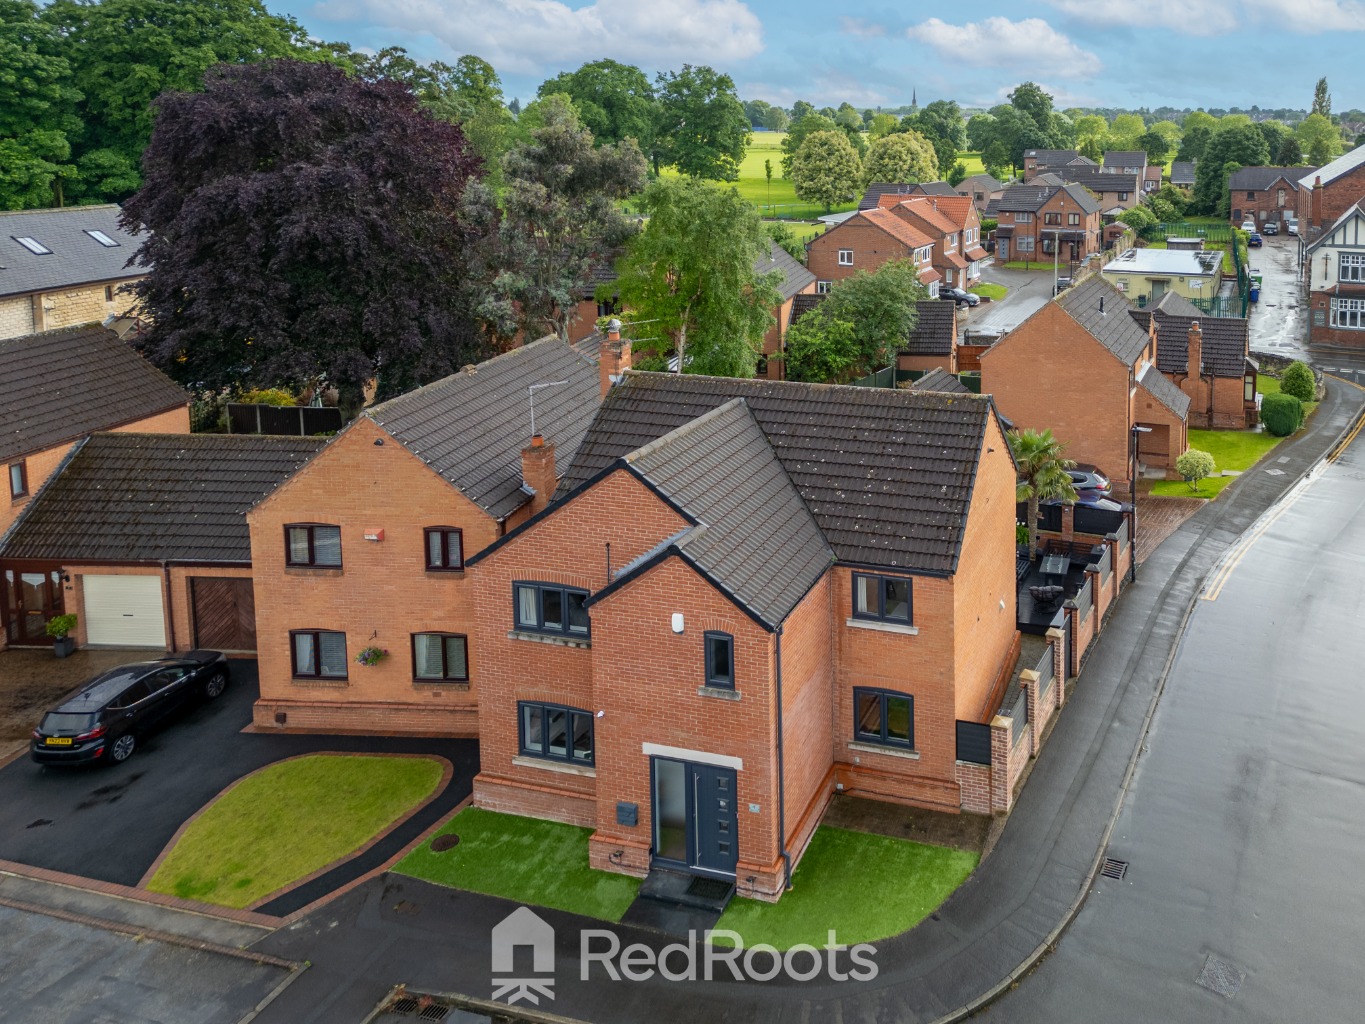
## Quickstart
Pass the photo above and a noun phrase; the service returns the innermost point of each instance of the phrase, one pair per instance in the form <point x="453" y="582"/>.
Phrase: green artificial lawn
<point x="543" y="863"/>
<point x="1231" y="449"/>
<point x="991" y="291"/>
<point x="865" y="887"/>
<point x="287" y="821"/>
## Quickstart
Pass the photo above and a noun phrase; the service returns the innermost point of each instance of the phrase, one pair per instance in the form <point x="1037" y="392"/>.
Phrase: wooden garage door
<point x="124" y="611"/>
<point x="224" y="613"/>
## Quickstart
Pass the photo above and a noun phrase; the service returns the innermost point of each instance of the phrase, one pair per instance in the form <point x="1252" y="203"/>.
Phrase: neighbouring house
<point x="1035" y="222"/>
<point x="980" y="189"/>
<point x="747" y="596"/>
<point x="864" y="242"/>
<point x="144" y="537"/>
<point x="1144" y="275"/>
<point x="1115" y="190"/>
<point x="1082" y="368"/>
<point x="1182" y="174"/>
<point x="956" y="225"/>
<point x="796" y="280"/>
<point x="1334" y="269"/>
<point x="1326" y="193"/>
<point x="1222" y="385"/>
<point x="1123" y="161"/>
<point x="941" y="380"/>
<point x="64" y="268"/>
<point x="1264" y="194"/>
<point x="590" y="308"/>
<point x="877" y="191"/>
<point x="366" y="544"/>
<point x="60" y="386"/>
<point x="1151" y="178"/>
<point x="1038" y="160"/>
<point x="933" y="343"/>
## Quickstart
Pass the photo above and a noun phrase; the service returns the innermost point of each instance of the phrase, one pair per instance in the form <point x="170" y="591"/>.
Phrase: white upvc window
<point x="822" y="287"/>
<point x="845" y="257"/>
<point x="1351" y="266"/>
<point x="1348" y="314"/>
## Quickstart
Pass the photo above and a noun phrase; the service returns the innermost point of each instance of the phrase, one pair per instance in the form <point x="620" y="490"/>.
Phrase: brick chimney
<point x="538" y="471"/>
<point x="1196" y="361"/>
<point x="1315" y="217"/>
<point x="613" y="358"/>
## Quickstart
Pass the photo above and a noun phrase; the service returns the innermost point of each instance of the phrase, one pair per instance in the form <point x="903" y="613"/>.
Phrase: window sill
<point x="546" y="638"/>
<point x="877" y="748"/>
<point x="721" y="692"/>
<point x="883" y="627"/>
<point x="312" y="570"/>
<point x="562" y="768"/>
<point x="322" y="682"/>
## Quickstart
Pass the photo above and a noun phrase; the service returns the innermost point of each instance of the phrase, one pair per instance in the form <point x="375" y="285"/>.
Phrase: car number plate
<point x="58" y="741"/>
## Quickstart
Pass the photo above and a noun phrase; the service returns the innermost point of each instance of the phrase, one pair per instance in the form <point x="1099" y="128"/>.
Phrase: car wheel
<point x="215" y="685"/>
<point x="122" y="748"/>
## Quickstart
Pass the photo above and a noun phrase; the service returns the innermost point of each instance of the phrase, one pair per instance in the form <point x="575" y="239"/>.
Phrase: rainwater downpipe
<point x="782" y="774"/>
<point x="170" y="610"/>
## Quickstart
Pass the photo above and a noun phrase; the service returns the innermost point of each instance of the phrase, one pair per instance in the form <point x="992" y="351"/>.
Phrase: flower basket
<point x="371" y="656"/>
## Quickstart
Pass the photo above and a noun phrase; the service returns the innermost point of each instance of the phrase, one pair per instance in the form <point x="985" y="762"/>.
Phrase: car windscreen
<point x="65" y="721"/>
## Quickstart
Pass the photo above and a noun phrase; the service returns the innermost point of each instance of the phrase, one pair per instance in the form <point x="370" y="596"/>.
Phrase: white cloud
<point x="1310" y="17"/>
<point x="531" y="36"/>
<point x="1188" y="17"/>
<point x="859" y="27"/>
<point x="1031" y="45"/>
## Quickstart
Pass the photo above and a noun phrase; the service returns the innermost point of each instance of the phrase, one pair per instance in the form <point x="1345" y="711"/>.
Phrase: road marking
<point x="1234" y="557"/>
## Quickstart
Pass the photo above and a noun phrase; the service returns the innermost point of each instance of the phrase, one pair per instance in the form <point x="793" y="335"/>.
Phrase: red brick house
<point x="1081" y="367"/>
<point x="980" y="189"/>
<point x="366" y="545"/>
<point x="1328" y="192"/>
<point x="796" y="280"/>
<point x="1222" y="390"/>
<point x="1115" y="191"/>
<point x="1038" y="160"/>
<point x="1123" y="161"/>
<point x="1034" y="219"/>
<point x="864" y="242"/>
<point x="691" y="660"/>
<point x="1334" y="268"/>
<point x="933" y="343"/>
<point x="955" y="226"/>
<point x="1265" y="194"/>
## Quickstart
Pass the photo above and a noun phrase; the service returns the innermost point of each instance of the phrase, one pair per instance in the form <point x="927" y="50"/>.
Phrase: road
<point x="1276" y="323"/>
<point x="1244" y="827"/>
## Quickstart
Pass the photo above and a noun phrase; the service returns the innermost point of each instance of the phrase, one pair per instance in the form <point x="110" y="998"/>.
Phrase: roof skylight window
<point x="32" y="245"/>
<point x="102" y="238"/>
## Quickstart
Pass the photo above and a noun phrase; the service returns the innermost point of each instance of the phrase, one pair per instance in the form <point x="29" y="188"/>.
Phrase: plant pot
<point x="63" y="646"/>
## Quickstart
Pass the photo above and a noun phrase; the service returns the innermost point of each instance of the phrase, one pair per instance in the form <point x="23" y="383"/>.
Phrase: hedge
<point x="1298" y="380"/>
<point x="1282" y="414"/>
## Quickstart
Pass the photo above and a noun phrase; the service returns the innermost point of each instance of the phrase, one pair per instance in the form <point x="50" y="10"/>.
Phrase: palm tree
<point x="1044" y="475"/>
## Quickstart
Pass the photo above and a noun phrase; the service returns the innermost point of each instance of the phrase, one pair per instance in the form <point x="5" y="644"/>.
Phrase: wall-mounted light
<point x="677" y="622"/>
<point x="379" y="442"/>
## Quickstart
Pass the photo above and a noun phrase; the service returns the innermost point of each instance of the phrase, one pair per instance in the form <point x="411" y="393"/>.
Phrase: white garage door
<point x="125" y="611"/>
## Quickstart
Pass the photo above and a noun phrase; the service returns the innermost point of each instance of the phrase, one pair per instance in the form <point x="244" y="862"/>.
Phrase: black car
<point x="105" y="718"/>
<point x="962" y="298"/>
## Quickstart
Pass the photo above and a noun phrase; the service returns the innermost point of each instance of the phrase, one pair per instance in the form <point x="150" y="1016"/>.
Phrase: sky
<point x="1119" y="53"/>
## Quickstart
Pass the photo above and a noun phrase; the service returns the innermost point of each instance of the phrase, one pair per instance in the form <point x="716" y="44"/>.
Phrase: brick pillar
<point x="1068" y="522"/>
<point x="1057" y="638"/>
<point x="1028" y="679"/>
<point x="1002" y="795"/>
<point x="1097" y="601"/>
<point x="538" y="471"/>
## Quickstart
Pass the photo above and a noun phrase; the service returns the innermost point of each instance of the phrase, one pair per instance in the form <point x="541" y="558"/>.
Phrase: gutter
<point x="781" y="772"/>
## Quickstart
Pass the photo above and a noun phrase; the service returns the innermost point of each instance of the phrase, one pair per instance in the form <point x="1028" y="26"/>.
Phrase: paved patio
<point x="1158" y="518"/>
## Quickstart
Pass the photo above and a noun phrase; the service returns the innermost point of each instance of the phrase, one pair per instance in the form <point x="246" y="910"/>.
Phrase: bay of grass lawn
<point x="865" y="887"/>
<point x="544" y="863"/>
<point x="288" y="820"/>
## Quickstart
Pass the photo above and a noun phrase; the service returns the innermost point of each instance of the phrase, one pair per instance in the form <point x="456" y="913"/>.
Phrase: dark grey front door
<point x="695" y="821"/>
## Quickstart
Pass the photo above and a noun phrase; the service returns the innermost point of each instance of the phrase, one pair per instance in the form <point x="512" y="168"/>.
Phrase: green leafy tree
<point x="941" y="123"/>
<point x="775" y="119"/>
<point x="1322" y="99"/>
<point x="1290" y="153"/>
<point x="1298" y="380"/>
<point x="1274" y="133"/>
<point x="957" y="175"/>
<point x="858" y="328"/>
<point x="702" y="128"/>
<point x="1029" y="98"/>
<point x="615" y="101"/>
<point x="847" y="116"/>
<point x="797" y="133"/>
<point x="1319" y="139"/>
<point x="1043" y="475"/>
<point x="1170" y="131"/>
<point x="1282" y="414"/>
<point x="1194" y="465"/>
<point x="1232" y="145"/>
<point x="1125" y="131"/>
<point x="1178" y="198"/>
<point x="981" y="131"/>
<point x="1196" y="130"/>
<point x="1156" y="147"/>
<point x="882" y="124"/>
<point x="826" y="169"/>
<point x="800" y="109"/>
<point x="1062" y="130"/>
<point x="784" y="236"/>
<point x="690" y="272"/>
<point x="904" y="157"/>
<point x="1140" y="219"/>
<point x="559" y="215"/>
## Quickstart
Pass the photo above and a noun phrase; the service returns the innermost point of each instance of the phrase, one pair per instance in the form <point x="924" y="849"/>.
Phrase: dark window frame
<point x="541" y="588"/>
<point x="445" y="676"/>
<point x="312" y="562"/>
<point x="880" y="615"/>
<point x="316" y="634"/>
<point x="22" y="466"/>
<point x="883" y="738"/>
<point x="444" y="532"/>
<point x="712" y="680"/>
<point x="543" y="751"/>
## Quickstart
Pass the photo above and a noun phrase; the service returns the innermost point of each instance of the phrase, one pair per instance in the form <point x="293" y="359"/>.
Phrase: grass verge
<point x="1231" y="449"/>
<point x="287" y="821"/>
<point x="991" y="291"/>
<point x="865" y="887"/>
<point x="543" y="863"/>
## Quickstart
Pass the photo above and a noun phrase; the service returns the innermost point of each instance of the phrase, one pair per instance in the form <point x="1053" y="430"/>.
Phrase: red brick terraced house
<point x="867" y="240"/>
<point x="1334" y="268"/>
<point x="1328" y="192"/>
<point x="1265" y="194"/>
<point x="1116" y="192"/>
<point x="1081" y="367"/>
<point x="367" y="544"/>
<point x="1222" y="391"/>
<point x="956" y="228"/>
<point x="1033" y="219"/>
<point x="692" y="660"/>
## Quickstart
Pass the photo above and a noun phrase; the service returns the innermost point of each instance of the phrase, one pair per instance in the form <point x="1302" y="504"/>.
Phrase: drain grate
<point x="406" y="1005"/>
<point x="1220" y="976"/>
<point x="434" y="1012"/>
<point x="1114" y="869"/>
<point x="708" y="889"/>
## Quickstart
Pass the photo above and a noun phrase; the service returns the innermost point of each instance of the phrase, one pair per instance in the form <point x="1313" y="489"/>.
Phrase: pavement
<point x="995" y="928"/>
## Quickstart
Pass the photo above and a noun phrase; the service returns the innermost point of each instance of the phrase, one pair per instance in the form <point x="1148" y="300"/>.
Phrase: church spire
<point x="914" y="100"/>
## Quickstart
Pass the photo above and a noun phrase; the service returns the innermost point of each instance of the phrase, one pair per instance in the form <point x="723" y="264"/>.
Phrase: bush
<point x="60" y="625"/>
<point x="1298" y="380"/>
<point x="1194" y="466"/>
<point x="1282" y="414"/>
<point x="267" y="396"/>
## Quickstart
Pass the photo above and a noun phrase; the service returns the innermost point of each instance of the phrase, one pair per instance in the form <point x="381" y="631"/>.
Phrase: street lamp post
<point x="1132" y="516"/>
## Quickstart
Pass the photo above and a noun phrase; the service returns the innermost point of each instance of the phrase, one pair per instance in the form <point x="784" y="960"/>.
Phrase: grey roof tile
<point x="1225" y="339"/>
<point x="935" y="332"/>
<point x="873" y="193"/>
<point x="1125" y="158"/>
<point x="75" y="257"/>
<point x="470" y="427"/>
<point x="795" y="276"/>
<point x="754" y="535"/>
<point x="1103" y="310"/>
<point x="1182" y="172"/>
<point x="939" y="379"/>
<point x="152" y="497"/>
<point x="978" y="183"/>
<point x="1164" y="391"/>
<point x="61" y="385"/>
<point x="1103" y="181"/>
<point x="887" y="473"/>
<point x="1256" y="179"/>
<point x="804" y="303"/>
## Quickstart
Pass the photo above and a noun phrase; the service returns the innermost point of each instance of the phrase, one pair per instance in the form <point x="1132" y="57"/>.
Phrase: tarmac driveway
<point x="110" y="823"/>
